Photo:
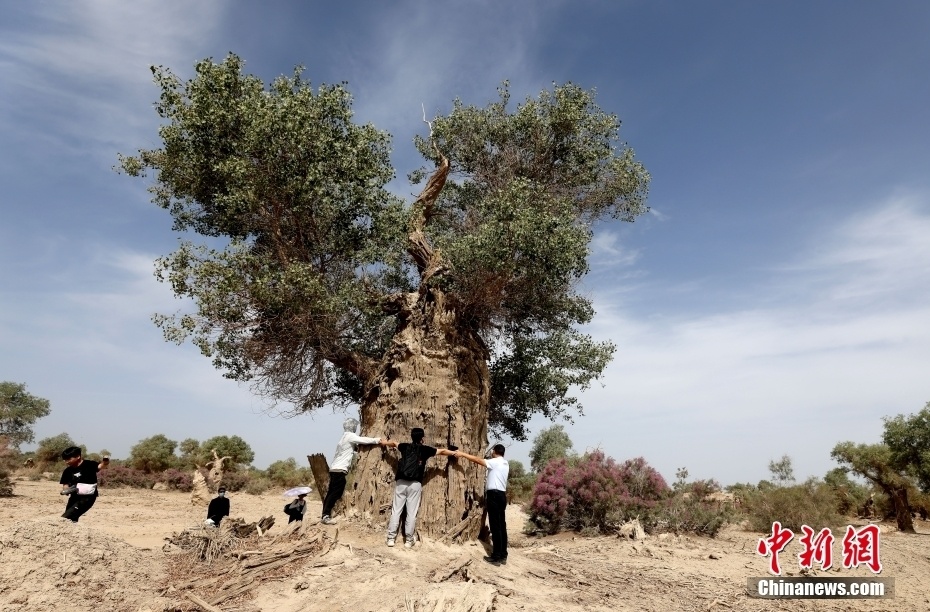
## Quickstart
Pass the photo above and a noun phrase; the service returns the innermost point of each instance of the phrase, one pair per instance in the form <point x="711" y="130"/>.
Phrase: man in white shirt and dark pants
<point x="342" y="461"/>
<point x="495" y="499"/>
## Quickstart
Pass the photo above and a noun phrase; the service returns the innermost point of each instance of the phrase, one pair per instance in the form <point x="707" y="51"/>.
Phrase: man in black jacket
<point x="79" y="482"/>
<point x="219" y="507"/>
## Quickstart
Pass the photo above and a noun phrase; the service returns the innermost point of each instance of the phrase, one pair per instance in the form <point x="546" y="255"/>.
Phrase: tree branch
<point x="427" y="259"/>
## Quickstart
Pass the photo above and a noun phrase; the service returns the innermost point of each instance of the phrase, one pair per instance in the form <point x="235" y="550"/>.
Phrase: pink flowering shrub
<point x="176" y="479"/>
<point x="595" y="493"/>
<point x="121" y="476"/>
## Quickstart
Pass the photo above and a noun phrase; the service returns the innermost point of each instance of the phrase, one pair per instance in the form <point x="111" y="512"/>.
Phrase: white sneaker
<point x="390" y="541"/>
<point x="328" y="521"/>
<point x="408" y="544"/>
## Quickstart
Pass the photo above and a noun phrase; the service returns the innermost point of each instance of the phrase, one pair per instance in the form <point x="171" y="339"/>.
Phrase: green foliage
<point x="189" y="449"/>
<point x="520" y="483"/>
<point x="908" y="442"/>
<point x="19" y="410"/>
<point x="49" y="451"/>
<point x="692" y="508"/>
<point x="286" y="473"/>
<point x="872" y="461"/>
<point x="811" y="503"/>
<point x="782" y="470"/>
<point x="550" y="443"/>
<point x="300" y="295"/>
<point x="154" y="454"/>
<point x="850" y="495"/>
<point x="6" y="464"/>
<point x="234" y="447"/>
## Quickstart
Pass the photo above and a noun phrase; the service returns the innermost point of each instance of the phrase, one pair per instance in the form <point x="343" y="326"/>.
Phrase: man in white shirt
<point x="342" y="461"/>
<point x="495" y="499"/>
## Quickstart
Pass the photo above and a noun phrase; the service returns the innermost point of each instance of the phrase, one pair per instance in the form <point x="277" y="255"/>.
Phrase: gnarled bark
<point x="435" y="376"/>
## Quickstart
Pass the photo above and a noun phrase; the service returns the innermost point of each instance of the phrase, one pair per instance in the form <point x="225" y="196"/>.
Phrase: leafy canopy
<point x="153" y="454"/>
<point x="550" y="443"/>
<point x="19" y="410"/>
<point x="305" y="258"/>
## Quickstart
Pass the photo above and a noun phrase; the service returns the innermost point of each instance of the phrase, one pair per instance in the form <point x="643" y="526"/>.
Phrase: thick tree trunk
<point x="435" y="376"/>
<point x="902" y="510"/>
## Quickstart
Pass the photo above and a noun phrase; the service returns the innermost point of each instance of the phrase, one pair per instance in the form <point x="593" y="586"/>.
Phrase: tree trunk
<point x="902" y="510"/>
<point x="435" y="376"/>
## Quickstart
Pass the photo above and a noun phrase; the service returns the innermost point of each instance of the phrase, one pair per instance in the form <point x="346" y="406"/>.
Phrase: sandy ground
<point x="116" y="549"/>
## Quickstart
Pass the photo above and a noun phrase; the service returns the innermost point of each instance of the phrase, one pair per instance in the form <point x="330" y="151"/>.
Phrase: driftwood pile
<point x="248" y="561"/>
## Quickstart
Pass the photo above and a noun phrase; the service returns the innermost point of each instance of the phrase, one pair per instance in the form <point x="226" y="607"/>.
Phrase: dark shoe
<point x="494" y="560"/>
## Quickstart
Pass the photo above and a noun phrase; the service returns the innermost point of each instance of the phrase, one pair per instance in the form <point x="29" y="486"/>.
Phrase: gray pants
<point x="406" y="493"/>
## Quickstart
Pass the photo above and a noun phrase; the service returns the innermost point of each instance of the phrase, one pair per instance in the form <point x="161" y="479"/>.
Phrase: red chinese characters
<point x="774" y="545"/>
<point x="860" y="547"/>
<point x="817" y="548"/>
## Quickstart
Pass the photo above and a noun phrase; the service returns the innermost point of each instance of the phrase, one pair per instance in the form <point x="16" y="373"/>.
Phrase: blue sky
<point x="775" y="301"/>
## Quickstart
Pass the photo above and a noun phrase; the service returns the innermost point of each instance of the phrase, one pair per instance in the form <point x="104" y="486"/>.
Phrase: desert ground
<point x="115" y="559"/>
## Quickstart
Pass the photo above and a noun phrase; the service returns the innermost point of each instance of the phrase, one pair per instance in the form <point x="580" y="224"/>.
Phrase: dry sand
<point x="113" y="560"/>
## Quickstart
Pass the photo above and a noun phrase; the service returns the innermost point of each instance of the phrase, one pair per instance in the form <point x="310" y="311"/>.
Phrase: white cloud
<point x="725" y="392"/>
<point x="81" y="77"/>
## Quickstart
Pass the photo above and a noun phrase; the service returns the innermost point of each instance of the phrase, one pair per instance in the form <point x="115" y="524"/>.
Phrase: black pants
<point x="497" y="510"/>
<point x="77" y="506"/>
<point x="337" y="486"/>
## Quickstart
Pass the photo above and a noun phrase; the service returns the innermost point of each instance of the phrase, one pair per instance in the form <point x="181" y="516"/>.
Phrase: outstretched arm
<point x="390" y="443"/>
<point x="445" y="451"/>
<point x="472" y="458"/>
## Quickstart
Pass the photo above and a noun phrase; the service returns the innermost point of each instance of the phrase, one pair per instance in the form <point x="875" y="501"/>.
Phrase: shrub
<point x="177" y="480"/>
<point x="596" y="494"/>
<point x="121" y="476"/>
<point x="695" y="508"/>
<point x="811" y="503"/>
<point x="49" y="451"/>
<point x="257" y="484"/>
<point x="520" y="484"/>
<point x="237" y="481"/>
<point x="154" y="454"/>
<point x="286" y="473"/>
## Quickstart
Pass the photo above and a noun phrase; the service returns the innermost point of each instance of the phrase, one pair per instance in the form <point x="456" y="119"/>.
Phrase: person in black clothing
<point x="408" y="484"/>
<point x="79" y="482"/>
<point x="295" y="510"/>
<point x="219" y="507"/>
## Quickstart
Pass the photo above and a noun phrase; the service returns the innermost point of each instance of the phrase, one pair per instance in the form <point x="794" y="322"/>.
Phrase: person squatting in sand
<point x="295" y="510"/>
<point x="218" y="508"/>
<point x="79" y="482"/>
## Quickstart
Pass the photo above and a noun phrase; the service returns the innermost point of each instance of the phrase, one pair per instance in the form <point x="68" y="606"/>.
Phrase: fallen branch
<point x="204" y="605"/>
<point x="441" y="575"/>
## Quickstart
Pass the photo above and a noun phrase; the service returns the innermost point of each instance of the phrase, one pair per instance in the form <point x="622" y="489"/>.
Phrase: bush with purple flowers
<point x="596" y="494"/>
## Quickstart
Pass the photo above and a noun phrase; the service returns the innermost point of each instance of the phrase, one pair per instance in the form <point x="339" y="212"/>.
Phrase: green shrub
<point x="286" y="473"/>
<point x="812" y="503"/>
<point x="257" y="484"/>
<point x="697" y="507"/>
<point x="520" y="483"/>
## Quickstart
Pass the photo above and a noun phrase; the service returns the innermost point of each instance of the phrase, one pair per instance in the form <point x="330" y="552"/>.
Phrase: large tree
<point x="19" y="410"/>
<point x="458" y="312"/>
<point x="899" y="466"/>
<point x="153" y="454"/>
